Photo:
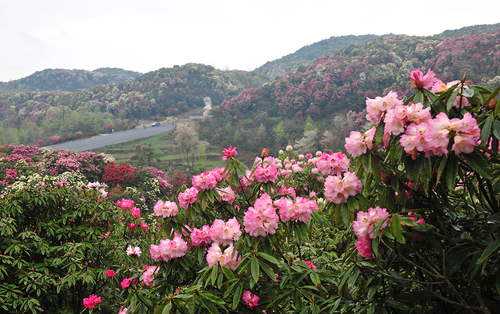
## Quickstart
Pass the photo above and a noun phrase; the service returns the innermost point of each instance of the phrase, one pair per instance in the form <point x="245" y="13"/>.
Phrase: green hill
<point x="68" y="80"/>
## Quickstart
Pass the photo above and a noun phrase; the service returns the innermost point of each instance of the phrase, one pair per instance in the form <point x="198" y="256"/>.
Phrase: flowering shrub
<point x="394" y="229"/>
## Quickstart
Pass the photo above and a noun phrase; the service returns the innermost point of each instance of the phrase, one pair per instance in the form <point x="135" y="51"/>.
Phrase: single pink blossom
<point x="250" y="299"/>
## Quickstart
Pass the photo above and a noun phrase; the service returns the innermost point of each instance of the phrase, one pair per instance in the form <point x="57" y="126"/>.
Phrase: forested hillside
<point x="68" y="80"/>
<point x="340" y="82"/>
<point x="26" y="117"/>
<point x="306" y="55"/>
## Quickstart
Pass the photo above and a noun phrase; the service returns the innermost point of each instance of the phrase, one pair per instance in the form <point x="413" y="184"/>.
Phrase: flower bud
<point x="265" y="153"/>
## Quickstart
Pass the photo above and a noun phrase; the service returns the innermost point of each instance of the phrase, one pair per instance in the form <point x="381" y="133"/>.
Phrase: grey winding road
<point x="112" y="139"/>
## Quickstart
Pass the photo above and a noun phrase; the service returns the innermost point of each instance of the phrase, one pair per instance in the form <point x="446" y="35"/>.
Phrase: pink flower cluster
<point x="61" y="183"/>
<point x="378" y="106"/>
<point x="91" y="301"/>
<point x="261" y="219"/>
<point x="204" y="181"/>
<point x="125" y="204"/>
<point x="265" y="171"/>
<point x="127" y="282"/>
<point x="169" y="249"/>
<point x="188" y="197"/>
<point x="134" y="250"/>
<point x="201" y="237"/>
<point x="165" y="209"/>
<point x="225" y="232"/>
<point x="251" y="300"/>
<point x="363" y="227"/>
<point x="136" y="212"/>
<point x="110" y="273"/>
<point x="226" y="258"/>
<point x="226" y="194"/>
<point x="333" y="163"/>
<point x="229" y="153"/>
<point x="338" y="189"/>
<point x="397" y="118"/>
<point x="149" y="275"/>
<point x="300" y="210"/>
<point x="433" y="137"/>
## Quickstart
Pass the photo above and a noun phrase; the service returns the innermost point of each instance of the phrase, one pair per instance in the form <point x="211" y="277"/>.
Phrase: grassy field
<point x="167" y="155"/>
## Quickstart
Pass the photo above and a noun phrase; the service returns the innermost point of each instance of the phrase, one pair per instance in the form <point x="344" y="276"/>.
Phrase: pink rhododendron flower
<point x="188" y="197"/>
<point x="300" y="210"/>
<point x="311" y="265"/>
<point x="149" y="275"/>
<point x="261" y="219"/>
<point x="378" y="106"/>
<point x="165" y="209"/>
<point x="333" y="163"/>
<point x="125" y="204"/>
<point x="265" y="172"/>
<point x="136" y="212"/>
<point x="123" y="310"/>
<point x="91" y="301"/>
<point x="169" y="249"/>
<point x="225" y="232"/>
<point x="355" y="144"/>
<point x="289" y="148"/>
<point x="134" y="250"/>
<point x="229" y="153"/>
<point x="226" y="258"/>
<point x="250" y="299"/>
<point x="364" y="247"/>
<point x="420" y="81"/>
<point x="204" y="181"/>
<point x="338" y="189"/>
<point x="201" y="237"/>
<point x="110" y="273"/>
<point x="126" y="283"/>
<point x="226" y="194"/>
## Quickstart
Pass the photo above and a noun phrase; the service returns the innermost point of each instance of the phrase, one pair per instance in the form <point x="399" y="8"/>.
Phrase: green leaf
<point x="397" y="229"/>
<point x="227" y="272"/>
<point x="451" y="100"/>
<point x="486" y="130"/>
<point x="268" y="257"/>
<point x="493" y="246"/>
<point x="396" y="304"/>
<point x="496" y="128"/>
<point x="255" y="269"/>
<point x="209" y="306"/>
<point x="442" y="166"/>
<point x="237" y="296"/>
<point x="378" y="138"/>
<point x="479" y="164"/>
<point x="215" y="272"/>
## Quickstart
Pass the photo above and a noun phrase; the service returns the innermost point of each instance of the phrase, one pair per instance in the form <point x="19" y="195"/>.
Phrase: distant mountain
<point x="68" y="80"/>
<point x="306" y="55"/>
<point x="469" y="30"/>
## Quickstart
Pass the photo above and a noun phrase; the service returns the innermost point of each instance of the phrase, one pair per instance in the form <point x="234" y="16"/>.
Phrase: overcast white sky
<point x="147" y="35"/>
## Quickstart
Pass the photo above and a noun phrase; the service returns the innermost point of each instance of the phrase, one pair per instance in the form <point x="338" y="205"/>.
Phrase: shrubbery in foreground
<point x="409" y="224"/>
